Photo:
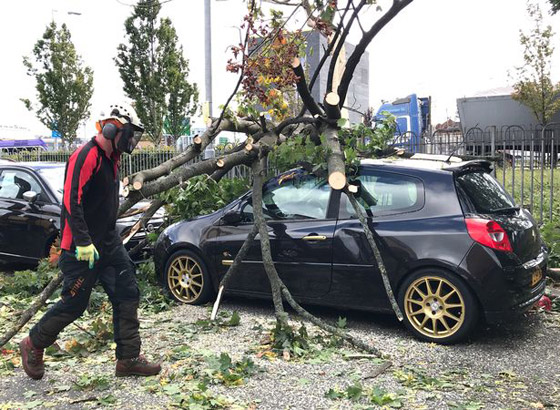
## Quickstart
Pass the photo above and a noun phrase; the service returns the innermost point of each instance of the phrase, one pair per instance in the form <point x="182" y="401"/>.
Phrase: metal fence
<point x="525" y="160"/>
<point x="138" y="161"/>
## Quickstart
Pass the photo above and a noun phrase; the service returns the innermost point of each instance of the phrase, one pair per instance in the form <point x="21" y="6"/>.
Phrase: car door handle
<point x="314" y="238"/>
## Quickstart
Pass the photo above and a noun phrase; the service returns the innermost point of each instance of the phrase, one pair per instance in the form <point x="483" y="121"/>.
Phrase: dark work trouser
<point x="116" y="272"/>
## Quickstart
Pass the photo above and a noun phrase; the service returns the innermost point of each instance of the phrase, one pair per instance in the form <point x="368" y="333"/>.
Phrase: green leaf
<point x="334" y="394"/>
<point x="172" y="389"/>
<point x="234" y="320"/>
<point x="341" y="322"/>
<point x="341" y="122"/>
<point x="354" y="393"/>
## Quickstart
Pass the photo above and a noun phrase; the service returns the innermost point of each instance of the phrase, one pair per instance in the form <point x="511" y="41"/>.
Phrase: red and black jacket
<point x="91" y="198"/>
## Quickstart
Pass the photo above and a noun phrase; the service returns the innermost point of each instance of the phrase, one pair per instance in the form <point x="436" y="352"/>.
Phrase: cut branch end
<point x="337" y="180"/>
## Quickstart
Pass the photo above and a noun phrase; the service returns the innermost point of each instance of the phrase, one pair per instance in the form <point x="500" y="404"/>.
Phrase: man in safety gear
<point x="92" y="249"/>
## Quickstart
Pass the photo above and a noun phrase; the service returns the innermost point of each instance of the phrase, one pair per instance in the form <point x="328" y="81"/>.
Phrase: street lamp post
<point x="209" y="151"/>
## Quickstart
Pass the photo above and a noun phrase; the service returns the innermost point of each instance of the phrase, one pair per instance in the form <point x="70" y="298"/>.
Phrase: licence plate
<point x="537" y="276"/>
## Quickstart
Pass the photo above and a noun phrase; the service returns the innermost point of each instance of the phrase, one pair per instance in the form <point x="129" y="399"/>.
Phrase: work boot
<point x="32" y="359"/>
<point x="138" y="366"/>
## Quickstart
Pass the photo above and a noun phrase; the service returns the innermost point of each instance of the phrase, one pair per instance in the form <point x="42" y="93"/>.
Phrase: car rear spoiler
<point x="473" y="165"/>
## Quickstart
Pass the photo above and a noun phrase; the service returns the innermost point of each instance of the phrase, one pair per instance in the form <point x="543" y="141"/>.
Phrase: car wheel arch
<point x="436" y="270"/>
<point x="196" y="250"/>
<point x="450" y="270"/>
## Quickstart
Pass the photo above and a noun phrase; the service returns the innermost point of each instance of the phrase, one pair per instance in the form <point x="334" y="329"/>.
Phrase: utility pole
<point x="209" y="151"/>
<point x="208" y="54"/>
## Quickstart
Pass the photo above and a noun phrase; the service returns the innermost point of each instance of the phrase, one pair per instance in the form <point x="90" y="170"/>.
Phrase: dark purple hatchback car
<point x="455" y="245"/>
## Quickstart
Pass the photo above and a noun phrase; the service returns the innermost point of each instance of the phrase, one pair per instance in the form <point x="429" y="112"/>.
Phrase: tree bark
<point x="335" y="159"/>
<point x="258" y="181"/>
<point x="149" y="212"/>
<point x="303" y="91"/>
<point x="332" y="106"/>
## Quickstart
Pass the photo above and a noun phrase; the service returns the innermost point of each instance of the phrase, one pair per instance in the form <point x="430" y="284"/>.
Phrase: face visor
<point x="130" y="137"/>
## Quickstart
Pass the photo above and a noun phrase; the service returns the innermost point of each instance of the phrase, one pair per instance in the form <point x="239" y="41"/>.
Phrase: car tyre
<point x="438" y="306"/>
<point x="187" y="279"/>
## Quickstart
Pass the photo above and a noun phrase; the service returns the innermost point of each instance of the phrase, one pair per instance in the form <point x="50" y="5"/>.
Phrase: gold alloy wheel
<point x="185" y="279"/>
<point x="434" y="306"/>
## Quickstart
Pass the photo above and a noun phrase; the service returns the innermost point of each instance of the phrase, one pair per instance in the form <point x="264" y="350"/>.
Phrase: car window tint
<point x="14" y="183"/>
<point x="292" y="196"/>
<point x="484" y="192"/>
<point x="384" y="193"/>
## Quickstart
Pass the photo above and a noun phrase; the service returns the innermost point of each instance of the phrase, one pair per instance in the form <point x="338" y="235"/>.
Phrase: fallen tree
<point x="269" y="68"/>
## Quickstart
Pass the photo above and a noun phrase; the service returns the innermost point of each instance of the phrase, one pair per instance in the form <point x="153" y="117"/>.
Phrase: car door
<point x="25" y="228"/>
<point x="295" y="207"/>
<point x="392" y="202"/>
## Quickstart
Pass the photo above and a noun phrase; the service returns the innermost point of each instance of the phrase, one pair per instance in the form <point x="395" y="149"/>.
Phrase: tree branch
<point x="354" y="59"/>
<point x="340" y="44"/>
<point x="138" y="179"/>
<point x="335" y="159"/>
<point x="34" y="308"/>
<point x="377" y="254"/>
<point x="258" y="181"/>
<point x="303" y="91"/>
<point x="184" y="173"/>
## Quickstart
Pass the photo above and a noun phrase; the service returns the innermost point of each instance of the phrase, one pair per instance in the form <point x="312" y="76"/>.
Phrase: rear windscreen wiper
<point x="506" y="209"/>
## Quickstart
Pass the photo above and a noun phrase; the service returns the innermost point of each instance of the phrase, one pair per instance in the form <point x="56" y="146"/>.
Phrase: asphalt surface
<point x="512" y="366"/>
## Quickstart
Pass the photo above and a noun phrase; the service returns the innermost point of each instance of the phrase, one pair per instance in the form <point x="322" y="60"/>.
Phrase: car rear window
<point x="484" y="192"/>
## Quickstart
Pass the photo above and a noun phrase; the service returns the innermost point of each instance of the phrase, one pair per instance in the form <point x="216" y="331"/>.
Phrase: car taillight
<point x="488" y="233"/>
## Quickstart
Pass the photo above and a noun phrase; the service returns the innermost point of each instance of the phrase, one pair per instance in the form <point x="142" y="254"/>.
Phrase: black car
<point x="454" y="243"/>
<point x="30" y="201"/>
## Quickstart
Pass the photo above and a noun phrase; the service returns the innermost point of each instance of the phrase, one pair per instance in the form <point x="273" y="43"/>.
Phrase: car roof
<point x="34" y="165"/>
<point x="429" y="162"/>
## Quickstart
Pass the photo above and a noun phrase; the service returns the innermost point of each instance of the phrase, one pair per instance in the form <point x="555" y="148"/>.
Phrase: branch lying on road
<point x="34" y="308"/>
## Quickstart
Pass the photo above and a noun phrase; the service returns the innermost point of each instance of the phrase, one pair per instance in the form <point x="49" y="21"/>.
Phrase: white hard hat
<point x="124" y="113"/>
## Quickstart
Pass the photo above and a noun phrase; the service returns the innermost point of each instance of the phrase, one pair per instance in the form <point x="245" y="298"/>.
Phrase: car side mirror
<point x="232" y="217"/>
<point x="30" y="196"/>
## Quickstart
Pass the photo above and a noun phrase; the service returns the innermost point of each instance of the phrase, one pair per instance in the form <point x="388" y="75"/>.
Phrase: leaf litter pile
<point x="245" y="360"/>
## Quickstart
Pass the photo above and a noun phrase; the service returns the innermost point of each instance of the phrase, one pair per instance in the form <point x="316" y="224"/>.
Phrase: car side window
<point x="14" y="183"/>
<point x="384" y="193"/>
<point x="294" y="195"/>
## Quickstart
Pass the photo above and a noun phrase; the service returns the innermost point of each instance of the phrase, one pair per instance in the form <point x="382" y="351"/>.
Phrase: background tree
<point x="154" y="71"/>
<point x="64" y="87"/>
<point x="534" y="87"/>
<point x="555" y="4"/>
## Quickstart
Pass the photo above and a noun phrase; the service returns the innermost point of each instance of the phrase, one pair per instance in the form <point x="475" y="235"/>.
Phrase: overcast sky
<point x="447" y="49"/>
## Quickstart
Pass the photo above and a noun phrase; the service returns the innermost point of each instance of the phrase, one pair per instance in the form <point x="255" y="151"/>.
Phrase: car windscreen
<point x="54" y="176"/>
<point x="484" y="192"/>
